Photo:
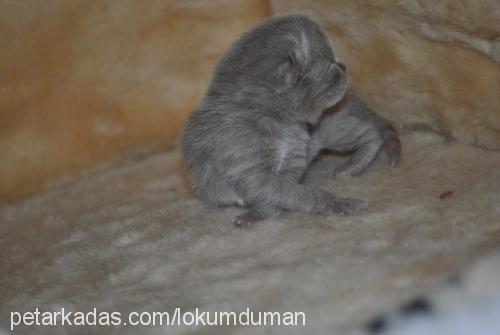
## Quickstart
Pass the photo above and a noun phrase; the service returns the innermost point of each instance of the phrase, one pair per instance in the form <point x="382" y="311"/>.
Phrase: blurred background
<point x="87" y="84"/>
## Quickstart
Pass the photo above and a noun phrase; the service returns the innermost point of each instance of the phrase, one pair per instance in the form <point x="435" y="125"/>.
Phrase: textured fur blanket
<point x="132" y="238"/>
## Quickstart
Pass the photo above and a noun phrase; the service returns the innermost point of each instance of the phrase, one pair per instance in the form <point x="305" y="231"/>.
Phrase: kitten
<point x="248" y="142"/>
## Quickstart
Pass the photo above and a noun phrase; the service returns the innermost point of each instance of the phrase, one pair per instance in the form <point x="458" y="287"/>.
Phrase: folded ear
<point x="298" y="57"/>
<point x="299" y="54"/>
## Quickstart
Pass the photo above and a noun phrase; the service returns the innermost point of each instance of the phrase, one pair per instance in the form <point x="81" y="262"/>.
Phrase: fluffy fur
<point x="137" y="229"/>
<point x="351" y="126"/>
<point x="255" y="131"/>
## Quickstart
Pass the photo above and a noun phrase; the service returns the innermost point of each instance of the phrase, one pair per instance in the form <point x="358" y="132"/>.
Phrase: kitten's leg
<point x="363" y="156"/>
<point x="308" y="199"/>
<point x="314" y="147"/>
<point x="352" y="126"/>
<point x="342" y="132"/>
<point x="271" y="188"/>
<point x="389" y="135"/>
<point x="304" y="198"/>
<point x="282" y="193"/>
<point x="289" y="165"/>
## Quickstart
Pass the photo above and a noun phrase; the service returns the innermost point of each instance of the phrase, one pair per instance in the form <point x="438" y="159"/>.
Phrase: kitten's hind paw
<point x="393" y="151"/>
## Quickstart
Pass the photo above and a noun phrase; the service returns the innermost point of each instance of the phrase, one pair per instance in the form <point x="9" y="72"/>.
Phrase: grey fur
<point x="249" y="142"/>
<point x="351" y="126"/>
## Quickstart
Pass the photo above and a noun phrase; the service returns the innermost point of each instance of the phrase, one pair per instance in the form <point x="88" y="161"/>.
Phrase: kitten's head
<point x="313" y="75"/>
<point x="320" y="85"/>
<point x="287" y="63"/>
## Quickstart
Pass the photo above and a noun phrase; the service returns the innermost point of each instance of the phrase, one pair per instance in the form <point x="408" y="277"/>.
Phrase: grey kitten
<point x="252" y="136"/>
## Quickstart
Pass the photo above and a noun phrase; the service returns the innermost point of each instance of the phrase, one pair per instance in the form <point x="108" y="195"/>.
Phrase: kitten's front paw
<point x="347" y="169"/>
<point x="246" y="219"/>
<point x="346" y="206"/>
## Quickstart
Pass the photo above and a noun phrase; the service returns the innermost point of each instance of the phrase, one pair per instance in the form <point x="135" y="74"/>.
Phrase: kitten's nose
<point x="342" y="66"/>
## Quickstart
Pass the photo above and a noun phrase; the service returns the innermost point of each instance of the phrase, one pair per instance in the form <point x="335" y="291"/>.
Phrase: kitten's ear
<point x="295" y="67"/>
<point x="299" y="55"/>
<point x="292" y="58"/>
<point x="298" y="58"/>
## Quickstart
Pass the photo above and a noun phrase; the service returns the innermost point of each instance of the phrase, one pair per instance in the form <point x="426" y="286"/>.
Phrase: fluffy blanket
<point x="133" y="238"/>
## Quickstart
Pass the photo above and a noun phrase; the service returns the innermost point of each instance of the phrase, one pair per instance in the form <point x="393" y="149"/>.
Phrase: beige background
<point x="87" y="84"/>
